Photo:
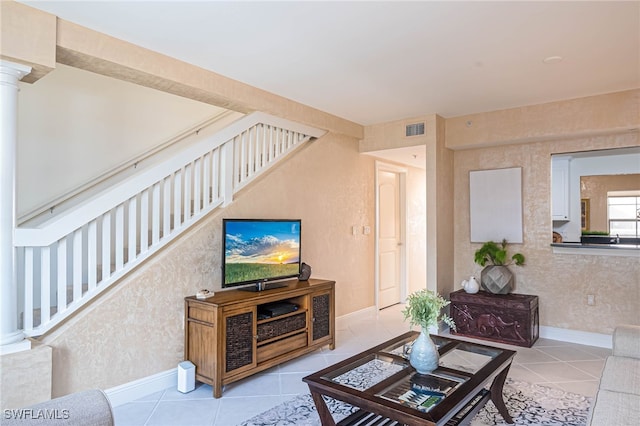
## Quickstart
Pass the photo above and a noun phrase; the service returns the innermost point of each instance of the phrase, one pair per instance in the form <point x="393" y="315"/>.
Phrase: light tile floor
<point x="571" y="367"/>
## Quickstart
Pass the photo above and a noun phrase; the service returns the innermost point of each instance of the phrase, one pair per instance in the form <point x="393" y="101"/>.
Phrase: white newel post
<point x="11" y="339"/>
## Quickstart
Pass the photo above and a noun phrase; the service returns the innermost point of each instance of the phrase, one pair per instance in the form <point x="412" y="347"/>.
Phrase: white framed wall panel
<point x="495" y="202"/>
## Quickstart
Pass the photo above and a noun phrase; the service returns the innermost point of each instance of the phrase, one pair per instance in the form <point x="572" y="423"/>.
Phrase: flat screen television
<point x="258" y="251"/>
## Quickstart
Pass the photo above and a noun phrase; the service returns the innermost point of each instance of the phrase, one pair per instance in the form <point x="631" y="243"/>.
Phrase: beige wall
<point x="595" y="188"/>
<point x="561" y="281"/>
<point x="603" y="114"/>
<point x="26" y="377"/>
<point x="28" y="37"/>
<point x="416" y="229"/>
<point x="429" y="267"/>
<point x="328" y="184"/>
<point x="391" y="135"/>
<point x="439" y="191"/>
<point x="74" y="126"/>
<point x="436" y="269"/>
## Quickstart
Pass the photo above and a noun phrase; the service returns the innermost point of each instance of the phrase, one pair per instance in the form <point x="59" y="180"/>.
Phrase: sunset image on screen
<point x="261" y="250"/>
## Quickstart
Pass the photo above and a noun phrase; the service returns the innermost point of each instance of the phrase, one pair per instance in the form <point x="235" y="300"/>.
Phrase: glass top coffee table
<point x="385" y="388"/>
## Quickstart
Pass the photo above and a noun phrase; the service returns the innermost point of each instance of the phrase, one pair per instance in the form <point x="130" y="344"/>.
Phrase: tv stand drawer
<point x="277" y="348"/>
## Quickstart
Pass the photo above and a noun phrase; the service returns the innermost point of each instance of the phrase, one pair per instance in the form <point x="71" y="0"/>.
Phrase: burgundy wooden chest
<point x="505" y="318"/>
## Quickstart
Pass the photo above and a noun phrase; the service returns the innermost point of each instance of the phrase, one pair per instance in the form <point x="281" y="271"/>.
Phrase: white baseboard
<point x="137" y="389"/>
<point x="576" y="336"/>
<point x="362" y="313"/>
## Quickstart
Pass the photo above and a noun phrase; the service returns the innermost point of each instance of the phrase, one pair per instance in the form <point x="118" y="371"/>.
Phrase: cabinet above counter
<point x="560" y="189"/>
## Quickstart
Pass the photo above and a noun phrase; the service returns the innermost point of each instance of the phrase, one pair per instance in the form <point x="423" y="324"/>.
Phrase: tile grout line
<point x="155" y="407"/>
<point x="588" y="373"/>
<point x="217" y="413"/>
<point x="533" y="372"/>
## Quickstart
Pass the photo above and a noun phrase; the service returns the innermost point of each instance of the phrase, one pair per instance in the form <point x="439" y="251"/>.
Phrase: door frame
<point x="402" y="200"/>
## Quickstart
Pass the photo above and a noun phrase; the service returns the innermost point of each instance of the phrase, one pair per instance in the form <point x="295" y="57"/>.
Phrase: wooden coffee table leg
<point x="496" y="394"/>
<point x="326" y="419"/>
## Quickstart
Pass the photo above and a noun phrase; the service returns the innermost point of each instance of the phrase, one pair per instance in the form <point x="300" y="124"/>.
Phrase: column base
<point x="9" y="348"/>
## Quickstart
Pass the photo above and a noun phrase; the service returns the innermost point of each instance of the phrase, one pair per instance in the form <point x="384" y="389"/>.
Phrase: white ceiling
<point x="372" y="62"/>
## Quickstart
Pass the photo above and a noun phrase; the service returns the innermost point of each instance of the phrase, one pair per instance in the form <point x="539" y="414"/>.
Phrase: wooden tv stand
<point x="227" y="341"/>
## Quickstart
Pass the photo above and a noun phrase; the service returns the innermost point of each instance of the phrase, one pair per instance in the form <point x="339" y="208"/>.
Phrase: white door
<point x="389" y="239"/>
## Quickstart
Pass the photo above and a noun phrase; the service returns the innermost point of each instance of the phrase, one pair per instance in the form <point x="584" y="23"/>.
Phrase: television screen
<point x="259" y="250"/>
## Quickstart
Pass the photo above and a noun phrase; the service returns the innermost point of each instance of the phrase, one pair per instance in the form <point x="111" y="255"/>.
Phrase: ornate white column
<point x="11" y="339"/>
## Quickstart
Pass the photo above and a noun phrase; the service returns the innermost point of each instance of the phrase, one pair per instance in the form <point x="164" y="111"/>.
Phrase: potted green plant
<point x="424" y="309"/>
<point x="597" y="237"/>
<point x="496" y="277"/>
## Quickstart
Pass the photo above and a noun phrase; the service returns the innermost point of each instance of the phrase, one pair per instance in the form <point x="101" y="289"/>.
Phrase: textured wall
<point x="595" y="188"/>
<point x="612" y="112"/>
<point x="327" y="184"/>
<point x="31" y="371"/>
<point x="443" y="208"/>
<point x="430" y="242"/>
<point x="392" y="134"/>
<point x="562" y="281"/>
<point x="416" y="229"/>
<point x="35" y="47"/>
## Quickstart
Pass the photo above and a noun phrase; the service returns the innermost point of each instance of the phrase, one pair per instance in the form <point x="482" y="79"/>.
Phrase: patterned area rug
<point x="528" y="404"/>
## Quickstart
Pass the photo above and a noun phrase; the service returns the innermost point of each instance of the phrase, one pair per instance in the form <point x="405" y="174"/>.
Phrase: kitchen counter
<point x="597" y="249"/>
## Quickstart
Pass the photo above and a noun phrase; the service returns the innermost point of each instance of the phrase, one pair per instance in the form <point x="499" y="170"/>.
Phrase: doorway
<point x="391" y="264"/>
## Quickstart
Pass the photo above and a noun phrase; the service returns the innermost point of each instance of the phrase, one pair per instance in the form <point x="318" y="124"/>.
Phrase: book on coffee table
<point x="423" y="401"/>
<point x="421" y="391"/>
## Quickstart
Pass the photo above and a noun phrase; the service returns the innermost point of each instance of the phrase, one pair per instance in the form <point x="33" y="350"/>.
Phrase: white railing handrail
<point x="60" y="225"/>
<point x="54" y="202"/>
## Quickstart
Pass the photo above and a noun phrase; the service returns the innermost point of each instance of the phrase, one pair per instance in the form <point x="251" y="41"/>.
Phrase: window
<point x="624" y="215"/>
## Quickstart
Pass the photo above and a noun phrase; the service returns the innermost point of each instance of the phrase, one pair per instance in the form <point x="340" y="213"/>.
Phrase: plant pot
<point x="424" y="355"/>
<point x="497" y="279"/>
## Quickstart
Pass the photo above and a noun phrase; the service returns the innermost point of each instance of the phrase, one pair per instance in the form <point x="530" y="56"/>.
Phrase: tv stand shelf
<point x="277" y="317"/>
<point x="227" y="342"/>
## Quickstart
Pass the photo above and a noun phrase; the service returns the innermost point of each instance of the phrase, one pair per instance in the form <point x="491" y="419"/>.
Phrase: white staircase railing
<point x="67" y="260"/>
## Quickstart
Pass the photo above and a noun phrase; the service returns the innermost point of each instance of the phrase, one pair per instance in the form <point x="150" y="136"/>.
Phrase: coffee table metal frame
<point x="458" y="407"/>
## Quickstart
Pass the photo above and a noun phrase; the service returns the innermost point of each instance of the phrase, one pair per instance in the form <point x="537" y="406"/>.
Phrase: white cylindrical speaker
<point x="186" y="376"/>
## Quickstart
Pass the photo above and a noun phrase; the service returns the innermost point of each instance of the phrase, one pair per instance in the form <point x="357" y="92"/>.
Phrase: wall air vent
<point x="416" y="129"/>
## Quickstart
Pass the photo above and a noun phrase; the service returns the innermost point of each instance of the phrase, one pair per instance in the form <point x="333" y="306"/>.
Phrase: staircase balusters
<point x="155" y="214"/>
<point x="106" y="246"/>
<point x="62" y="275"/>
<point x="45" y="284"/>
<point x="119" y="237"/>
<point x="76" y="265"/>
<point x="92" y="254"/>
<point x="144" y="221"/>
<point x="177" y="197"/>
<point x="28" y="288"/>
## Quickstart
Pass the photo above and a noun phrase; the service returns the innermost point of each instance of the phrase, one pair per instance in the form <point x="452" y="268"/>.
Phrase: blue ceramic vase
<point x="424" y="355"/>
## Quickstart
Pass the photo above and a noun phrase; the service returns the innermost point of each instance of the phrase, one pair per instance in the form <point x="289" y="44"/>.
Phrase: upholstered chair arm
<point x="85" y="408"/>
<point x="626" y="341"/>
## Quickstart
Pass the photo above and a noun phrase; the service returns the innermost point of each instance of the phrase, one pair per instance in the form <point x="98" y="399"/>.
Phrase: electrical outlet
<point x="591" y="299"/>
